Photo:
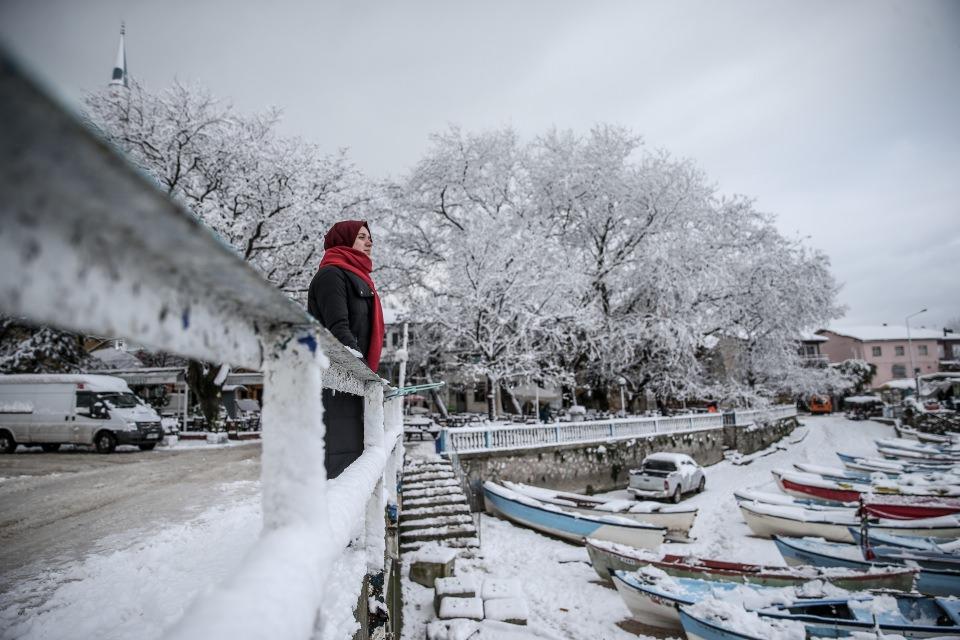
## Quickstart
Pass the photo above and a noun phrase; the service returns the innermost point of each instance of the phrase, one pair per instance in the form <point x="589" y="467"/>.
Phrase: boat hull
<point x="766" y="525"/>
<point x="569" y="526"/>
<point x="606" y="561"/>
<point x="647" y="607"/>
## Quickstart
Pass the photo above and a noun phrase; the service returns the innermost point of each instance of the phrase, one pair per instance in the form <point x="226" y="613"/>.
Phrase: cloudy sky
<point x="840" y="117"/>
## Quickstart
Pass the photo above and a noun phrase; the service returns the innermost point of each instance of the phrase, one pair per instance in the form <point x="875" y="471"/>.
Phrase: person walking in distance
<point x="344" y="299"/>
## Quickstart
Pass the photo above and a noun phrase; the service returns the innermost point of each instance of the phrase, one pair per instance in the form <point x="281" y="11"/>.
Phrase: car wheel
<point x="147" y="447"/>
<point x="7" y="443"/>
<point x="50" y="448"/>
<point x="676" y="495"/>
<point x="702" y="485"/>
<point x="105" y="442"/>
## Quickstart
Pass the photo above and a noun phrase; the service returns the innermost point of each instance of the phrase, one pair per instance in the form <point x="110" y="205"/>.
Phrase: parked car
<point x="667" y="475"/>
<point x="52" y="410"/>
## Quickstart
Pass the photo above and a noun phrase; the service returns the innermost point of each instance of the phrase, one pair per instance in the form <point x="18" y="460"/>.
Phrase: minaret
<point x="119" y="78"/>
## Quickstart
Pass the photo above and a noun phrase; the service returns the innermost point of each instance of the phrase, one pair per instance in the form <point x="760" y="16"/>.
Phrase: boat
<point x="607" y="557"/>
<point x="766" y="497"/>
<point x="806" y="485"/>
<point x="553" y="520"/>
<point x="656" y="600"/>
<point x="917" y="457"/>
<point x="931" y="580"/>
<point x="714" y="619"/>
<point x="891" y="467"/>
<point x="910" y="507"/>
<point x="948" y="449"/>
<point x="767" y="520"/>
<point x="678" y="519"/>
<point x="835" y="473"/>
<point x="876" y="538"/>
<point x="926" y="438"/>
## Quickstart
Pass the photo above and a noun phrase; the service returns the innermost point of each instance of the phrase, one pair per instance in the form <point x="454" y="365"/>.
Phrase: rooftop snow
<point x="886" y="332"/>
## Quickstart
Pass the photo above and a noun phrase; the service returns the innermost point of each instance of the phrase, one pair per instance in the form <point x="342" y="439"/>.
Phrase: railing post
<point x="373" y="437"/>
<point x="442" y="441"/>
<point x="486" y="439"/>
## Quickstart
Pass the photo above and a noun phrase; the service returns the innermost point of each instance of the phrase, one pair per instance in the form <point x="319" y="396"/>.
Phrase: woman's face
<point x="364" y="241"/>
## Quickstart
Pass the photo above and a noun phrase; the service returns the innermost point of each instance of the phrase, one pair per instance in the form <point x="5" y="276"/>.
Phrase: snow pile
<point x="734" y="617"/>
<point x="433" y="552"/>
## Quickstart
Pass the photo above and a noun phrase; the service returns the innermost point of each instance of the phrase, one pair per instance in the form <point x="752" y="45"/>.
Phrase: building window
<point x="898" y="351"/>
<point x="899" y="371"/>
<point x="956" y="351"/>
<point x="395" y="339"/>
<point x="877" y="352"/>
<point x="922" y="349"/>
<point x="480" y="392"/>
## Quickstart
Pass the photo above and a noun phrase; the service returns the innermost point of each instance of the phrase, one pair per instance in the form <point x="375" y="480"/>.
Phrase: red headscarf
<point x="339" y="252"/>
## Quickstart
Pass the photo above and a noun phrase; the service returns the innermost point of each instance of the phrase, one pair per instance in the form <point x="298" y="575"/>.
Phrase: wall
<point x="604" y="467"/>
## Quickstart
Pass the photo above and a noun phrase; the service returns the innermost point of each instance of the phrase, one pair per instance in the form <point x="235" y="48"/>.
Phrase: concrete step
<point x="441" y="500"/>
<point x="426" y="492"/>
<point x="429" y="477"/>
<point x="455" y="509"/>
<point x="453" y="543"/>
<point x="435" y="522"/>
<point x="438" y="533"/>
<point x="427" y="466"/>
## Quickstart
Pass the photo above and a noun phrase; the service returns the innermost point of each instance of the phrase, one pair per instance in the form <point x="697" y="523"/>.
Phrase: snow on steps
<point x="434" y="508"/>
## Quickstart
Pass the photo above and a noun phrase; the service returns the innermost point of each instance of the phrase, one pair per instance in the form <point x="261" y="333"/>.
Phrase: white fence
<point x="89" y="244"/>
<point x="476" y="439"/>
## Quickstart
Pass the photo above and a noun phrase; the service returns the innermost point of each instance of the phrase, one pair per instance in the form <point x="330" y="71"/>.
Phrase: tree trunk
<point x="438" y="399"/>
<point x="511" y="399"/>
<point x="201" y="377"/>
<point x="491" y="398"/>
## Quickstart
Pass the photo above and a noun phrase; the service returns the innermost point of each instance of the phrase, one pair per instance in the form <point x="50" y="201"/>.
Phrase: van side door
<point x="85" y="425"/>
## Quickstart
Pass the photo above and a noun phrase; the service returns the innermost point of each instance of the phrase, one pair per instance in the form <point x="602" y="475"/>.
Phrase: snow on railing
<point x="89" y="244"/>
<point x="505" y="437"/>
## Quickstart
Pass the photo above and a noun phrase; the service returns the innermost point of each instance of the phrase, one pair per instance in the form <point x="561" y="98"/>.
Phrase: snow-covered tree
<point x="26" y="348"/>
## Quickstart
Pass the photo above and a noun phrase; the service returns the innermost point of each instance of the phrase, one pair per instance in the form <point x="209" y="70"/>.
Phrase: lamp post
<point x="916" y="375"/>
<point x="623" y="405"/>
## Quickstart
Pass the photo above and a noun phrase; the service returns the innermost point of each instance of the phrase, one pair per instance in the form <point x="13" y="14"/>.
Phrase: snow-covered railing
<point x="747" y="417"/>
<point x="90" y="244"/>
<point x="505" y="437"/>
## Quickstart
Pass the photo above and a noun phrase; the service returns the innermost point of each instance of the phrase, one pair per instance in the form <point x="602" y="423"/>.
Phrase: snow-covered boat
<point x="835" y="473"/>
<point x="715" y="619"/>
<point x="657" y="600"/>
<point x="947" y="449"/>
<point x="918" y="457"/>
<point x="891" y="467"/>
<point x="927" y="438"/>
<point x="678" y="519"/>
<point x="608" y="557"/>
<point x="769" y="520"/>
<point x="767" y="497"/>
<point x="553" y="520"/>
<point x="910" y="507"/>
<point x="807" y="485"/>
<point x="907" y="542"/>
<point x="931" y="580"/>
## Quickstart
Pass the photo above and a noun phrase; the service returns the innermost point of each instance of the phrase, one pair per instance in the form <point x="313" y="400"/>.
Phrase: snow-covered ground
<point x="565" y="595"/>
<point x="136" y="583"/>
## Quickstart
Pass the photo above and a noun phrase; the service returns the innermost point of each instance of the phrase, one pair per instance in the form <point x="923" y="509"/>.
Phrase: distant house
<point x="887" y="348"/>
<point x="810" y="350"/>
<point x="948" y="351"/>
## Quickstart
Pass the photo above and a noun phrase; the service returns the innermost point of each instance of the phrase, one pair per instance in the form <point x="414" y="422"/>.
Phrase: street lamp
<point x="916" y="375"/>
<point x="623" y="405"/>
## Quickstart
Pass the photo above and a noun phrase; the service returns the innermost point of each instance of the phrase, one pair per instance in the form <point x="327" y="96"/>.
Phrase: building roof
<point x="869" y="333"/>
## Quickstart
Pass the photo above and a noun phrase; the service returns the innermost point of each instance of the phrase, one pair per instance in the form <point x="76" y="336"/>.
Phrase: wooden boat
<point x="926" y="438"/>
<point x="657" y="601"/>
<point x="678" y="519"/>
<point x="769" y="520"/>
<point x="891" y="467"/>
<point x="714" y="619"/>
<point x="931" y="580"/>
<point x="947" y="449"/>
<point x="608" y="557"/>
<point x="806" y="485"/>
<point x="835" y="473"/>
<point x="766" y="497"/>
<point x="910" y="507"/>
<point x="917" y="457"/>
<point x="880" y="539"/>
<point x="571" y="526"/>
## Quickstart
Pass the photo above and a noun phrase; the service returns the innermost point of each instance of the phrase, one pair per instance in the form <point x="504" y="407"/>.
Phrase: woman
<point x="343" y="298"/>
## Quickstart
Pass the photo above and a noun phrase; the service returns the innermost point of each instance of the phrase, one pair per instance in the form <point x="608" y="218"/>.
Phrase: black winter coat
<point x="343" y="303"/>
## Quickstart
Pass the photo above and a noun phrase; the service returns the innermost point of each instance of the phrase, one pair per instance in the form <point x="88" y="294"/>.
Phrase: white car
<point x="667" y="475"/>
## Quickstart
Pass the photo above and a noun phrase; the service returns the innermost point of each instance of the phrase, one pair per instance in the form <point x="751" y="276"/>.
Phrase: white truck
<point x="56" y="409"/>
<point x="667" y="475"/>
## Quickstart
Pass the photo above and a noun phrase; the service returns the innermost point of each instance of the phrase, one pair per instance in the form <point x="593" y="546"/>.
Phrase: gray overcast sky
<point x="840" y="117"/>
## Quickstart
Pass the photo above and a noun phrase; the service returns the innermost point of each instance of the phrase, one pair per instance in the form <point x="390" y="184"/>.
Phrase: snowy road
<point x="79" y="529"/>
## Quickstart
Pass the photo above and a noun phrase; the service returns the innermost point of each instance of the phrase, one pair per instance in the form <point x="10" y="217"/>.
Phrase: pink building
<point x="885" y="347"/>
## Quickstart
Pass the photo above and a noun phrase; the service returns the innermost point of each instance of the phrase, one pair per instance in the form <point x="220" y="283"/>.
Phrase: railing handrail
<point x="91" y="244"/>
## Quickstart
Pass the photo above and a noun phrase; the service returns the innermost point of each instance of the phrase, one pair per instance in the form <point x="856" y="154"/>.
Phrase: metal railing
<point x="90" y="244"/>
<point x="506" y="437"/>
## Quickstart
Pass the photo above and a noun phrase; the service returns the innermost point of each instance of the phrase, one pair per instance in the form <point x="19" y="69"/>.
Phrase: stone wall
<point x="604" y="467"/>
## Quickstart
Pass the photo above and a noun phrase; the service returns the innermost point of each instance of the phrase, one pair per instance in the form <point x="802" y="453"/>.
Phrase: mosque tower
<point x="119" y="77"/>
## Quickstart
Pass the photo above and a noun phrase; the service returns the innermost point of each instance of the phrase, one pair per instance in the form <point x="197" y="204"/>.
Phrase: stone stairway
<point x="434" y="508"/>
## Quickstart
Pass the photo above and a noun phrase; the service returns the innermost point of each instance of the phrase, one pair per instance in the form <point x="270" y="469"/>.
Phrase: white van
<point x="55" y="409"/>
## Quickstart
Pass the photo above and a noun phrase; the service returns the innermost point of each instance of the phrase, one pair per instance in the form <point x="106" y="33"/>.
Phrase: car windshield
<point x="119" y="400"/>
<point x="659" y="465"/>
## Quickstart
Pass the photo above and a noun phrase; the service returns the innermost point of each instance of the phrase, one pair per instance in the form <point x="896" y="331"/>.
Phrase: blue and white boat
<point x="717" y="620"/>
<point x="933" y="579"/>
<point x="881" y="539"/>
<point x="657" y="601"/>
<point x="575" y="527"/>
